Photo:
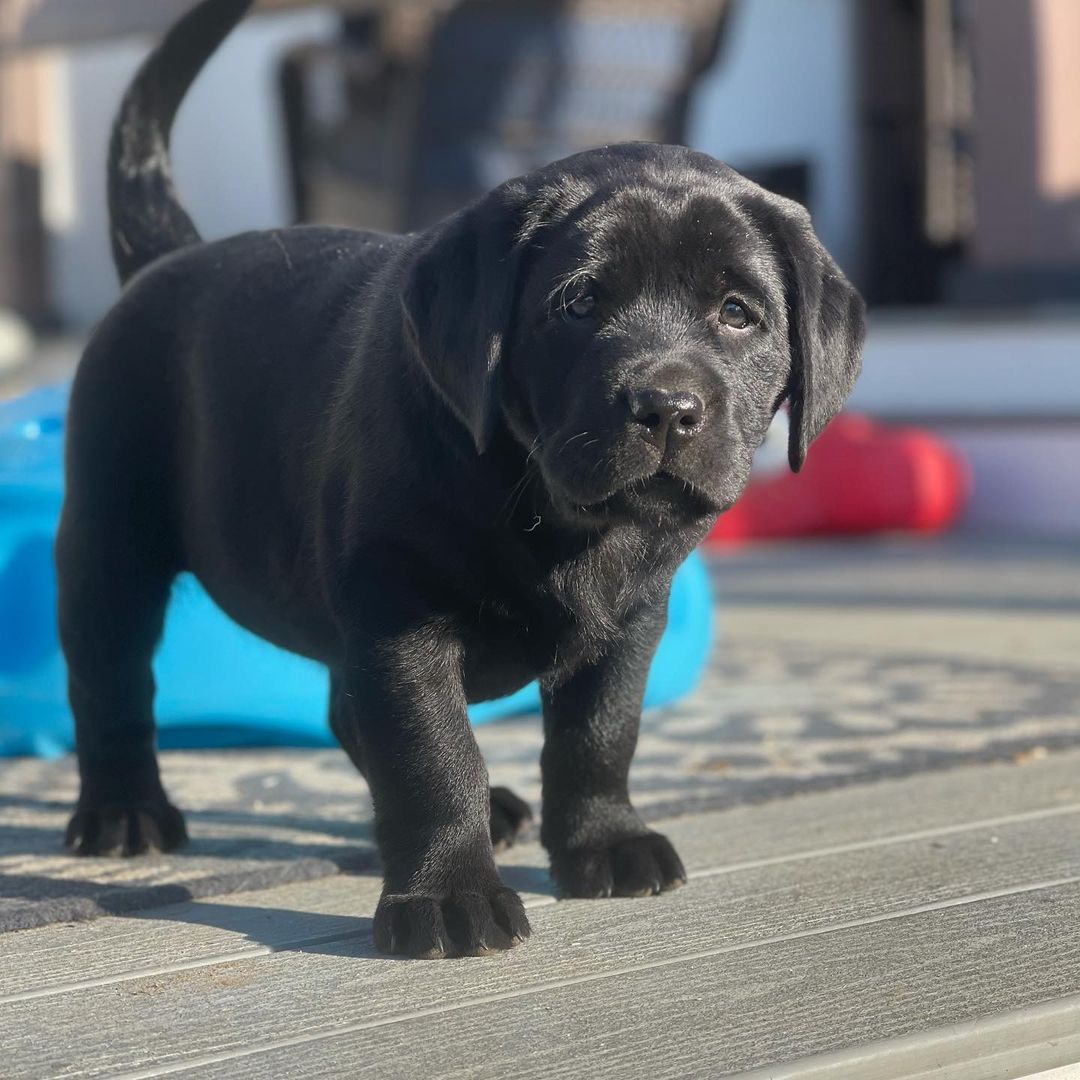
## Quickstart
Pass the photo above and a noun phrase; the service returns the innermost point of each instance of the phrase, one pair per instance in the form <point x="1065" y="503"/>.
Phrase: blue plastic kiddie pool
<point x="218" y="685"/>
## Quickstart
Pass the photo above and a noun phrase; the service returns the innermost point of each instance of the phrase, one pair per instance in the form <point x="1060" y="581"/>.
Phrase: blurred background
<point x="935" y="142"/>
<point x="923" y="607"/>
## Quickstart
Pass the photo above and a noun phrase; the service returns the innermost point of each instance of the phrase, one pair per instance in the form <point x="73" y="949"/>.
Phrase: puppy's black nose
<point x="663" y="414"/>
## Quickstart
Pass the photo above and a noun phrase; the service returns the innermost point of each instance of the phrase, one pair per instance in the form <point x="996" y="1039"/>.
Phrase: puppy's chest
<point x="562" y="623"/>
<point x="503" y="652"/>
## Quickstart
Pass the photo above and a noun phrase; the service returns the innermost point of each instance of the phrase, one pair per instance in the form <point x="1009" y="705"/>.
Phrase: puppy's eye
<point x="581" y="307"/>
<point x="734" y="313"/>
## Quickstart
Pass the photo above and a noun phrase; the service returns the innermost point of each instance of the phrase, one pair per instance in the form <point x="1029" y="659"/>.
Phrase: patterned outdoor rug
<point x="775" y="715"/>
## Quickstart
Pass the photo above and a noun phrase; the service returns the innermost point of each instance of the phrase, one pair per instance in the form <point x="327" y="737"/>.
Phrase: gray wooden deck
<point x="876" y="790"/>
<point x="923" y="926"/>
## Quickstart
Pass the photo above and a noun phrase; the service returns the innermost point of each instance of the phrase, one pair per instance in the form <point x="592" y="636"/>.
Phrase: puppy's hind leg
<point x="510" y="818"/>
<point x="114" y="576"/>
<point x="112" y="609"/>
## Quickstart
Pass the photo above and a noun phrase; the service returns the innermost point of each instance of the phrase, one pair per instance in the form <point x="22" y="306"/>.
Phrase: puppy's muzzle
<point x="663" y="416"/>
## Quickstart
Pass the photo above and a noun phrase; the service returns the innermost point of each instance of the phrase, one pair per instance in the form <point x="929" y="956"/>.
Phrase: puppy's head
<point x="635" y="316"/>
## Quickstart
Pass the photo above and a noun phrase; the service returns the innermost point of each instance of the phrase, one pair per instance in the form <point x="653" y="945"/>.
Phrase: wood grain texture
<point x="818" y="923"/>
<point x="997" y="1047"/>
<point x="932" y="807"/>
<point x="718" y="1012"/>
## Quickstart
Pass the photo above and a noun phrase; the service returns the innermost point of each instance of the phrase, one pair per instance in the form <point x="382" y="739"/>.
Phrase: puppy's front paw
<point x="510" y="817"/>
<point x="631" y="866"/>
<point x="113" y="829"/>
<point x="457" y="924"/>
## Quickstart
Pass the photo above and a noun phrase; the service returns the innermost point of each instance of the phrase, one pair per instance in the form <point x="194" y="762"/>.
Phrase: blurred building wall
<point x="784" y="92"/>
<point x="1027" y="133"/>
<point x="23" y="86"/>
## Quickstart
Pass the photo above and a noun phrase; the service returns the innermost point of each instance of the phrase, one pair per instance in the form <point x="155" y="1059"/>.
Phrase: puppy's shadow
<point x="278" y="929"/>
<point x="244" y="842"/>
<point x="289" y="930"/>
<point x="274" y="929"/>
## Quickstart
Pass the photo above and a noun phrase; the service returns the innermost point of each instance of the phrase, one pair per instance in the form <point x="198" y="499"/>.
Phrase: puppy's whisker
<point x="517" y="493"/>
<point x="521" y="494"/>
<point x="518" y="488"/>
<point x="579" y="435"/>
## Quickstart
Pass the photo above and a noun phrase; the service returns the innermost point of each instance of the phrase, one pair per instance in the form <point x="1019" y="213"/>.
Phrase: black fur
<point x="425" y="461"/>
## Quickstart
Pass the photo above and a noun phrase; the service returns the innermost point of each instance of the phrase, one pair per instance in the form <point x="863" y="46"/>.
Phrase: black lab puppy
<point x="443" y="465"/>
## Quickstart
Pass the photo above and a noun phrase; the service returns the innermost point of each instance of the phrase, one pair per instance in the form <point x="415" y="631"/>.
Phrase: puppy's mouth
<point x="661" y="497"/>
<point x="665" y="486"/>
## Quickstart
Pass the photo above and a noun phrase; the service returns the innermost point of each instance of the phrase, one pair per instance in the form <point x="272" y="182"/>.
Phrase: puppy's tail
<point x="146" y="219"/>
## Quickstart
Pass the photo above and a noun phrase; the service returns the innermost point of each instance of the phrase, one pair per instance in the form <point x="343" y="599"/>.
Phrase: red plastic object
<point x="859" y="477"/>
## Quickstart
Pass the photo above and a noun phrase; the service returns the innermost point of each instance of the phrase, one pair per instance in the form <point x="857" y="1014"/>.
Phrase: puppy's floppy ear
<point x="826" y="327"/>
<point x="458" y="303"/>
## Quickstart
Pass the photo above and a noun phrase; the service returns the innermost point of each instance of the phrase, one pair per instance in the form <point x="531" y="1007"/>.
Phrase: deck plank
<point x="47" y="960"/>
<point x="721" y="1012"/>
<point x="995" y="1047"/>
<point x="829" y="910"/>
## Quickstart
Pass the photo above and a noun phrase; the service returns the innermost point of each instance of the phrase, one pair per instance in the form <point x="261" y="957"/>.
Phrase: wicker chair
<point x="412" y="116"/>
